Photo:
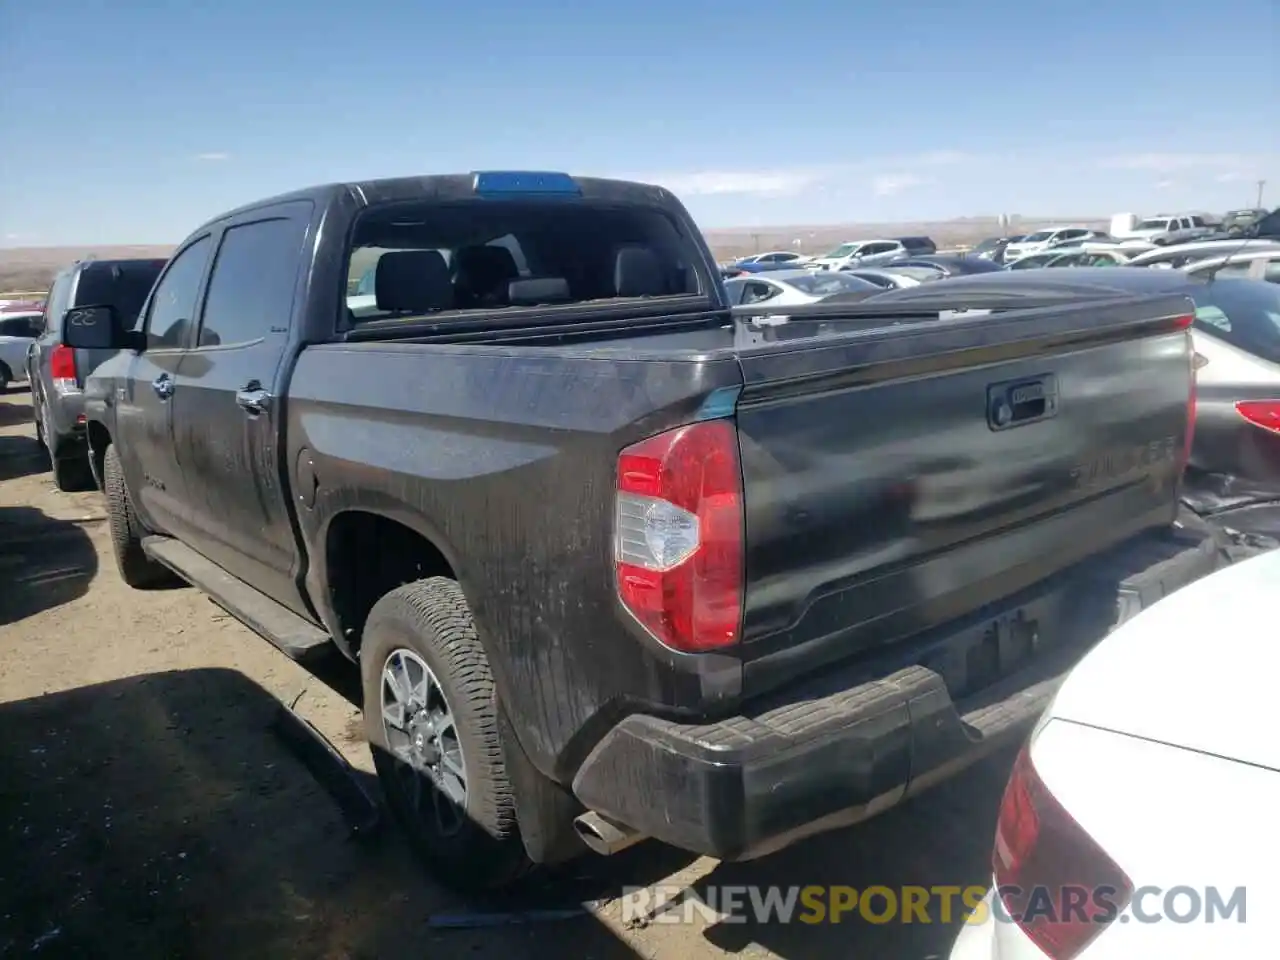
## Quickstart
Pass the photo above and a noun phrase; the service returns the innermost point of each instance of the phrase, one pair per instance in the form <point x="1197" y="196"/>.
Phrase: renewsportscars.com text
<point x="935" y="904"/>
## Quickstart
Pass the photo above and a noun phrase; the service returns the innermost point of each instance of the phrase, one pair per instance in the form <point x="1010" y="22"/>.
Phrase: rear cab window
<point x="122" y="284"/>
<point x="429" y="257"/>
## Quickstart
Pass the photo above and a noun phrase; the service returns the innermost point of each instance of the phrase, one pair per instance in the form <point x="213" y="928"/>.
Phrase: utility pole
<point x="755" y="241"/>
<point x="1261" y="184"/>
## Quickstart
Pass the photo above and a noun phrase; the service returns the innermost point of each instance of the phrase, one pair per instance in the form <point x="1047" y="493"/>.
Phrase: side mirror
<point x="97" y="327"/>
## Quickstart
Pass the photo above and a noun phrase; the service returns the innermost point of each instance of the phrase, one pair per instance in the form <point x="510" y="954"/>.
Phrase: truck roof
<point x="462" y="186"/>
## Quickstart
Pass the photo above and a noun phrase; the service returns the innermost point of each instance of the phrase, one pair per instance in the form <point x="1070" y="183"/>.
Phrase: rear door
<point x="228" y="413"/>
<point x="143" y="401"/>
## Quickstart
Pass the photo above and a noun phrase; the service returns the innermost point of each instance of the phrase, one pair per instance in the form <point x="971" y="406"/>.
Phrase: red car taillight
<point x="1261" y="413"/>
<point x="1039" y="846"/>
<point x="678" y="541"/>
<point x="62" y="370"/>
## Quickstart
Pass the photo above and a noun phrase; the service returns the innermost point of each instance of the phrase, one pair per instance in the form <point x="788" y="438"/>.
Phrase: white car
<point x="1182" y="254"/>
<point x="1151" y="782"/>
<point x="790" y="288"/>
<point x="853" y="253"/>
<point x="17" y="332"/>
<point x="1263" y="264"/>
<point x="888" y="279"/>
<point x="774" y="256"/>
<point x="1043" y="240"/>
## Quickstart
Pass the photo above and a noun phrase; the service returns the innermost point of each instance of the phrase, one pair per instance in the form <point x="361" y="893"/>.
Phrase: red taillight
<point x="678" y="539"/>
<point x="1261" y="413"/>
<point x="1040" y="847"/>
<point x="62" y="363"/>
<point x="62" y="370"/>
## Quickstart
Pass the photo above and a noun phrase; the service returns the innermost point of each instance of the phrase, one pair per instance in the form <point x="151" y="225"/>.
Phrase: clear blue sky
<point x="126" y="124"/>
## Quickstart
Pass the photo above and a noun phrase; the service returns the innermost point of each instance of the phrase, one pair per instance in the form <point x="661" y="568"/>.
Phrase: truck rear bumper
<point x="855" y="740"/>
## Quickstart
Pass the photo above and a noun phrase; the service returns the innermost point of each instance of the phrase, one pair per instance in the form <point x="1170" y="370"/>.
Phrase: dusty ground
<point x="148" y="810"/>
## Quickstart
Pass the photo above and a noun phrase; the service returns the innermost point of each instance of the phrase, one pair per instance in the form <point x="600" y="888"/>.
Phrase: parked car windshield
<point x="841" y="251"/>
<point x="1040" y="236"/>
<point x="1152" y="225"/>
<point x="1244" y="313"/>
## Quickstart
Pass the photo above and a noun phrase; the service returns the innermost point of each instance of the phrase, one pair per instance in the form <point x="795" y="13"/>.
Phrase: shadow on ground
<point x="44" y="562"/>
<point x="21" y="456"/>
<point x="11" y="413"/>
<point x="159" y="816"/>
<point x="941" y="838"/>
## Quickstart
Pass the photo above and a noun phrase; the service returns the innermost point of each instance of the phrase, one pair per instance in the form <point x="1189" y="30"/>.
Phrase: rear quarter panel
<point x="505" y="460"/>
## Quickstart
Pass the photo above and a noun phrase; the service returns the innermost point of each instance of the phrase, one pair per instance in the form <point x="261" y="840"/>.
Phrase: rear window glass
<point x="410" y="260"/>
<point x="1244" y="313"/>
<point x="123" y="285"/>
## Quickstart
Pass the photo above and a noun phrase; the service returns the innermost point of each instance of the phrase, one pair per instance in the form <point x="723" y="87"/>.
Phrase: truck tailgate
<point x="897" y="477"/>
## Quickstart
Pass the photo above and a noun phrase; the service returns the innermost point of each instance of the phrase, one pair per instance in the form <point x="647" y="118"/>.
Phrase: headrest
<point x="486" y="264"/>
<point x="538" y="290"/>
<point x="637" y="272"/>
<point x="412" y="280"/>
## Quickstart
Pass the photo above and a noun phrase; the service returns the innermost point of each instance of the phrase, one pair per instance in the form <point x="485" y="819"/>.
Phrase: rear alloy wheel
<point x="431" y="717"/>
<point x="420" y="731"/>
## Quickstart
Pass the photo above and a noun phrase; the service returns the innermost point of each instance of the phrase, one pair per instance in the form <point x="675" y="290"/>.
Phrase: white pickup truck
<point x="1166" y="228"/>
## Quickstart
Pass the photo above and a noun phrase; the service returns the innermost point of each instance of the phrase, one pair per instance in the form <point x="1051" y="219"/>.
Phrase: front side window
<point x="757" y="292"/>
<point x="173" y="302"/>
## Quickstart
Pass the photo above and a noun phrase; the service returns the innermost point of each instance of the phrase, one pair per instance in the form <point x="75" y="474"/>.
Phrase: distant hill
<point x="32" y="268"/>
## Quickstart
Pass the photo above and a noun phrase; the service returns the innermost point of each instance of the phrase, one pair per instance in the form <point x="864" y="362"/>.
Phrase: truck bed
<point x="882" y="499"/>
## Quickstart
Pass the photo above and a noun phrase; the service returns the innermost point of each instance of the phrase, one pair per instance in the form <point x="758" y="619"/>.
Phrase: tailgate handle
<point x="1013" y="403"/>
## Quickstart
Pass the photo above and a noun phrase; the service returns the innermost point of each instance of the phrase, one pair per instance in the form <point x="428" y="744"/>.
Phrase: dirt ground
<point x="148" y="808"/>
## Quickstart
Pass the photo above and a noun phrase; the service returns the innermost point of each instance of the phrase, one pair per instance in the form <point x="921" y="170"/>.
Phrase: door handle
<point x="163" y="386"/>
<point x="253" y="399"/>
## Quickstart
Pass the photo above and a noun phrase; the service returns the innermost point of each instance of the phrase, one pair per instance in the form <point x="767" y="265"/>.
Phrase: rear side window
<point x="56" y="303"/>
<point x="1244" y="313"/>
<point x="20" y="327"/>
<point x="124" y="285"/>
<point x="484" y="255"/>
<point x="252" y="284"/>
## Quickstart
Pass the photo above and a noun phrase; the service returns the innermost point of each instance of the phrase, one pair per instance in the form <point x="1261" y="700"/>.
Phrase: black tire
<point x="6" y="376"/>
<point x="136" y="568"/>
<point x="72" y="474"/>
<point x="431" y="618"/>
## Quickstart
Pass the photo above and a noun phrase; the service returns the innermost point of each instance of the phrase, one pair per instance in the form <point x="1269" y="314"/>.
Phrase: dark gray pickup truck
<point x="615" y="562"/>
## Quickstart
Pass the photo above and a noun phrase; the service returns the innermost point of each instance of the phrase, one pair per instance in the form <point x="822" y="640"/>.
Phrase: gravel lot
<point x="147" y="809"/>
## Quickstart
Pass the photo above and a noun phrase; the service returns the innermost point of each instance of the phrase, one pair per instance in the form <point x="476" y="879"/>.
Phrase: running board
<point x="296" y="638"/>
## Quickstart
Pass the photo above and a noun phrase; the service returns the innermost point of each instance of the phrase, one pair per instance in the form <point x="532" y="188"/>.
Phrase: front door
<point x="144" y="401"/>
<point x="227" y="404"/>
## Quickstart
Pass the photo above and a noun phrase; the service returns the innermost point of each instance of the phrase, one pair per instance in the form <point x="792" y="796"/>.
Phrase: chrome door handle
<point x="163" y="386"/>
<point x="253" y="400"/>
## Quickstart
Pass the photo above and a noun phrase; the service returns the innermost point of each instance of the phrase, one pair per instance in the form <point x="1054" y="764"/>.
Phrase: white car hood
<point x="1199" y="669"/>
